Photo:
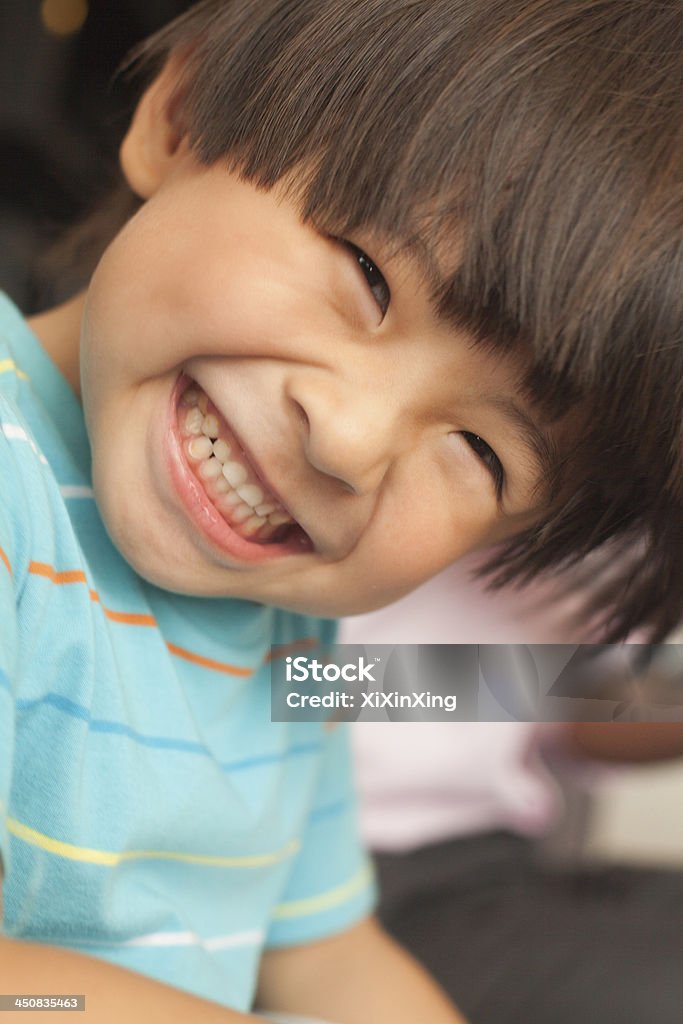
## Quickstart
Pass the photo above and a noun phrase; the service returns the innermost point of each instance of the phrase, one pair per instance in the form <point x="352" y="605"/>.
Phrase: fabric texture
<point x="150" y="812"/>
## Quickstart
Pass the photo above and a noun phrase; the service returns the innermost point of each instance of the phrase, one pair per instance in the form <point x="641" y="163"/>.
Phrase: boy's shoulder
<point x="12" y="328"/>
<point x="26" y="494"/>
<point x="22" y="498"/>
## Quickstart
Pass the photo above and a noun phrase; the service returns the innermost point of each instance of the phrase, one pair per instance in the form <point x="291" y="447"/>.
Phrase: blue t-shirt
<point x="150" y="812"/>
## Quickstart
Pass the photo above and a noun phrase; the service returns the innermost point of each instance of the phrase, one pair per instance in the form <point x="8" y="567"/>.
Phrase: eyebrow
<point x="542" y="446"/>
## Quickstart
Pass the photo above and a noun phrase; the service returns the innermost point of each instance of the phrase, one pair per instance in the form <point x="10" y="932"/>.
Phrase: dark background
<point x="62" y="114"/>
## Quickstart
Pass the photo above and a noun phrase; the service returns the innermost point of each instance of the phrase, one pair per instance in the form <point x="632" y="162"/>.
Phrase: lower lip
<point x="199" y="506"/>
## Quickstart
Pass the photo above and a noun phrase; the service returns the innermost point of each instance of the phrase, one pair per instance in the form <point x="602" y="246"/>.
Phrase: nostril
<point x="302" y="416"/>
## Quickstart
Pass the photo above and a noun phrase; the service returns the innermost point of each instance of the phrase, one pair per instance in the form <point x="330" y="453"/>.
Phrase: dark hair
<point x="542" y="141"/>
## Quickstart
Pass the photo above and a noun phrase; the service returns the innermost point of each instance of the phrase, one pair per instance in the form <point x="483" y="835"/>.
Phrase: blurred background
<point x="62" y="113"/>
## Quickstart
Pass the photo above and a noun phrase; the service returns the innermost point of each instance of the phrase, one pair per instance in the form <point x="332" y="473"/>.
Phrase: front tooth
<point x="199" y="447"/>
<point x="193" y="421"/>
<point x="210" y="426"/>
<point x="235" y="474"/>
<point x="253" y="524"/>
<point x="242" y="513"/>
<point x="264" y="510"/>
<point x="251" y="494"/>
<point x="221" y="450"/>
<point x="210" y="470"/>
<point x="279" y="519"/>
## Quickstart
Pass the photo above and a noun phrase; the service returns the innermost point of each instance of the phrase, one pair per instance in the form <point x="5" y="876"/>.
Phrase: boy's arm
<point x="359" y="977"/>
<point x="113" y="995"/>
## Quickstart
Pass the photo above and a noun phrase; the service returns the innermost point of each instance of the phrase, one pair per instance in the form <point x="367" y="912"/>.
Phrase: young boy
<point x="402" y="284"/>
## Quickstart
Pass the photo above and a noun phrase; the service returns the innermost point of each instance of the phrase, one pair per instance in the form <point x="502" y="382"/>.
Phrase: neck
<point x="59" y="332"/>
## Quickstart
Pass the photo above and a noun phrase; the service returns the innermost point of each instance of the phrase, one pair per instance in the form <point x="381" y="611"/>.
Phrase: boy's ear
<point x="154" y="140"/>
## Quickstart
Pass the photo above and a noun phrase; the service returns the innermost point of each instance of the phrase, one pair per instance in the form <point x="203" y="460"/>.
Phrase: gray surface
<point x="515" y="940"/>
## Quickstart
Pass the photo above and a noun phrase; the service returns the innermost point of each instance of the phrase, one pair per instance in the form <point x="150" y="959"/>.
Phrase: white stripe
<point x="156" y="939"/>
<point x="253" y="938"/>
<point x="248" y="938"/>
<point x="15" y="433"/>
<point x="69" y="491"/>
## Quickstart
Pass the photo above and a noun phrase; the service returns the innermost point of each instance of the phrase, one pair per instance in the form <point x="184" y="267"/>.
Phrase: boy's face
<point x="356" y="415"/>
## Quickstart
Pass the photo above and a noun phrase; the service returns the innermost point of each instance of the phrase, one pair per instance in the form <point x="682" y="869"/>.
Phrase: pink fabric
<point x="421" y="782"/>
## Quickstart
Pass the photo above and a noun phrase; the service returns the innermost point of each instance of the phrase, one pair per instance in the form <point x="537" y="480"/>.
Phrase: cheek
<point x="413" y="547"/>
<point x="139" y="295"/>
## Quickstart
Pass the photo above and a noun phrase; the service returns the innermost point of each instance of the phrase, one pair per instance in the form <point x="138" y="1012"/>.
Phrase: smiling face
<point x="279" y="415"/>
<point x="333" y="401"/>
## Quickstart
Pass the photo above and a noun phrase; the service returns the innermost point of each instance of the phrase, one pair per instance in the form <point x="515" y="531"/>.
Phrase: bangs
<point x="539" y="141"/>
<point x="533" y="139"/>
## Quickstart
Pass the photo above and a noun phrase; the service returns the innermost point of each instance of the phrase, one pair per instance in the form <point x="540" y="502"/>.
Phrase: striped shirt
<point x="150" y="812"/>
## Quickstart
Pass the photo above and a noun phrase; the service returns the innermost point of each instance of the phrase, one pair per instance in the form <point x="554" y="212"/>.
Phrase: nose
<point x="351" y="433"/>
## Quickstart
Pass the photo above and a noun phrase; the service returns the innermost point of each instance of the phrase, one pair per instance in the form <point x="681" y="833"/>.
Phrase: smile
<point x="229" y="497"/>
<point x="228" y="478"/>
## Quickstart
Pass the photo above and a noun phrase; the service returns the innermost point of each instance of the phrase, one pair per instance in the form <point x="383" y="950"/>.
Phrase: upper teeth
<point x="235" y="473"/>
<point x="220" y="469"/>
<point x="250" y="493"/>
<point x="221" y="450"/>
<point x="210" y="426"/>
<point x="200" y="447"/>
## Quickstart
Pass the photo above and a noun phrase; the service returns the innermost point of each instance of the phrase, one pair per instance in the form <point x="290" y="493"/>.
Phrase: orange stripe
<point x="130" y="618"/>
<point x="237" y="670"/>
<point x="217" y="666"/>
<point x="77" y="576"/>
<point x="297" y="645"/>
<point x="72" y="576"/>
<point x="134" y="619"/>
<point x="5" y="559"/>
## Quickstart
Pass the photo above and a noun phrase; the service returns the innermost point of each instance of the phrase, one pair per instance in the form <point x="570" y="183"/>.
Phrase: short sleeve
<point x="331" y="886"/>
<point x="8" y="655"/>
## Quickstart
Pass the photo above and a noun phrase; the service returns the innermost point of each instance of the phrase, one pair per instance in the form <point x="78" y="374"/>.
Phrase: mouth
<point x="222" y="487"/>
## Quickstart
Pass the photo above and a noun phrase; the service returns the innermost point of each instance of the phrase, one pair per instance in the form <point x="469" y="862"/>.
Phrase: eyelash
<point x="374" y="277"/>
<point x="382" y="295"/>
<point x="487" y="455"/>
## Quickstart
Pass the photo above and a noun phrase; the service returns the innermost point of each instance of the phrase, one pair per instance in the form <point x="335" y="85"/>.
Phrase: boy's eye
<point x="376" y="283"/>
<point x="487" y="455"/>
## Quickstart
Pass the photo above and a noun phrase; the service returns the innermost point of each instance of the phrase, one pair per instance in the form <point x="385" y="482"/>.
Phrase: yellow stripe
<point x="326" y="900"/>
<point x="110" y="858"/>
<point x="9" y="366"/>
